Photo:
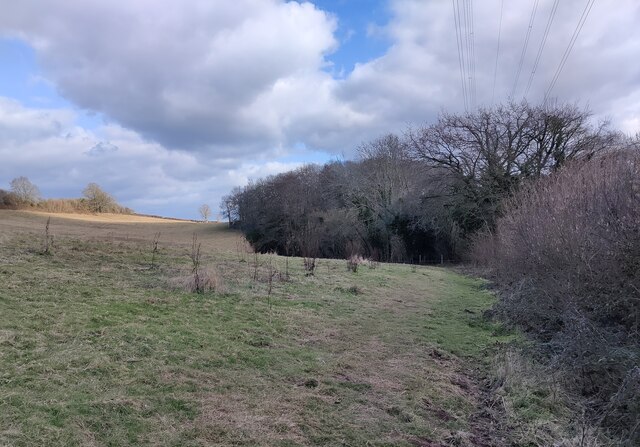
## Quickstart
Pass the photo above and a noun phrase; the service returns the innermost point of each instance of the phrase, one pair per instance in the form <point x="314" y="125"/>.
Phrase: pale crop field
<point x="121" y="227"/>
<point x="101" y="344"/>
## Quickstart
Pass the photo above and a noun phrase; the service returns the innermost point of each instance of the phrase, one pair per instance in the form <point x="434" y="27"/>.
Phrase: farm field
<point x="101" y="343"/>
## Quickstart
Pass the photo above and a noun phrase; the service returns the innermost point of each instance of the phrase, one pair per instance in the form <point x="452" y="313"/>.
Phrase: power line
<point x="495" y="70"/>
<point x="467" y="20"/>
<point x="572" y="41"/>
<point x="524" y="48"/>
<point x="473" y="54"/>
<point x="552" y="14"/>
<point x="463" y="21"/>
<point x="456" y="20"/>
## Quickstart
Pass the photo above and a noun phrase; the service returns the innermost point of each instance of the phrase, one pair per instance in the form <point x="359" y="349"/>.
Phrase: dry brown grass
<point x="121" y="228"/>
<point x="105" y="217"/>
<point x="209" y="280"/>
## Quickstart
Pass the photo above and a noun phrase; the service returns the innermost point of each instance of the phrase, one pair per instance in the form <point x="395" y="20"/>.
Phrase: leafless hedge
<point x="8" y="200"/>
<point x="566" y="255"/>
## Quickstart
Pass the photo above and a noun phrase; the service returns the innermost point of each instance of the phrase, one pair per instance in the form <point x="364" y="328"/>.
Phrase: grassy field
<point x="99" y="347"/>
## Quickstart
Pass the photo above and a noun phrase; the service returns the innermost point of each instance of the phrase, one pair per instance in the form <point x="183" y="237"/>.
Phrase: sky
<point x="170" y="104"/>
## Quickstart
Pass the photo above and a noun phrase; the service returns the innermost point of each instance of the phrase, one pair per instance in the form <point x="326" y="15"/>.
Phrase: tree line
<point x="24" y="194"/>
<point x="420" y="196"/>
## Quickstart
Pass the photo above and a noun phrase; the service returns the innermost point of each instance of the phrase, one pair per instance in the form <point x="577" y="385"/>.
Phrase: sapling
<point x="48" y="239"/>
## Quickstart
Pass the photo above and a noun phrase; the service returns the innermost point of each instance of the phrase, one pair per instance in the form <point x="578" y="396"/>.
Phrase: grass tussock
<point x="537" y="407"/>
<point x="208" y="281"/>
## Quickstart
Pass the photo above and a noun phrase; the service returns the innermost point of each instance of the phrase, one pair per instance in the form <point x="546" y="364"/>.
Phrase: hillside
<point x="101" y="345"/>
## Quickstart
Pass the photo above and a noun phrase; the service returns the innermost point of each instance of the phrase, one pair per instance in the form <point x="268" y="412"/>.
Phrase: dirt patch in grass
<point x="234" y="418"/>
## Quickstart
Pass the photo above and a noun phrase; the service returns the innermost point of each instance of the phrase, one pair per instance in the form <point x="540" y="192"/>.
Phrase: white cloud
<point x="61" y="159"/>
<point x="186" y="74"/>
<point x="246" y="76"/>
<point x="419" y="75"/>
<point x="19" y="124"/>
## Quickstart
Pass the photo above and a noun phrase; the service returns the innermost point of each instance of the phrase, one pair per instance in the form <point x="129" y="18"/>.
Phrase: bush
<point x="99" y="201"/>
<point x="566" y="255"/>
<point x="8" y="200"/>
<point x="63" y="206"/>
<point x="208" y="280"/>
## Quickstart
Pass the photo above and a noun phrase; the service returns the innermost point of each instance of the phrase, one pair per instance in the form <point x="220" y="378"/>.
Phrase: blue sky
<point x="356" y="19"/>
<point x="195" y="97"/>
<point x="22" y="79"/>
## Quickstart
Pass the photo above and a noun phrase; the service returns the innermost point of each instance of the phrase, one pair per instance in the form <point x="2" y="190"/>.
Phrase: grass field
<point x="97" y="347"/>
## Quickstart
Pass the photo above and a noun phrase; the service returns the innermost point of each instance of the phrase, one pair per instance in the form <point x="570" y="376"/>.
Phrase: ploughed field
<point x="102" y="342"/>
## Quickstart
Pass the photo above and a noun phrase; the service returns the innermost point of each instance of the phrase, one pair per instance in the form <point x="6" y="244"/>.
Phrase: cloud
<point x="18" y="124"/>
<point x="62" y="158"/>
<point x="419" y="76"/>
<point x="185" y="74"/>
<point x="102" y="148"/>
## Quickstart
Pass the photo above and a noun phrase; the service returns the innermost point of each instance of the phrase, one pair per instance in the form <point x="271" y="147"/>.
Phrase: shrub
<point x="208" y="280"/>
<point x="63" y="206"/>
<point x="355" y="261"/>
<point x="8" y="200"/>
<point x="566" y="255"/>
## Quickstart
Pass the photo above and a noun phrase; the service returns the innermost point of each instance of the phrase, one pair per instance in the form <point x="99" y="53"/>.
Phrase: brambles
<point x="207" y="280"/>
<point x="8" y="200"/>
<point x="353" y="262"/>
<point x="567" y="257"/>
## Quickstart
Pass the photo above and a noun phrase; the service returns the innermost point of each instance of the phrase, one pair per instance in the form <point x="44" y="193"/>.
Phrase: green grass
<point x="96" y="348"/>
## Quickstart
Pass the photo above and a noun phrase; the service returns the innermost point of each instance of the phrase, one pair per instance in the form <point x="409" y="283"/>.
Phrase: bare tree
<point x="205" y="212"/>
<point x="229" y="205"/>
<point x="98" y="200"/>
<point x="25" y="191"/>
<point x="488" y="153"/>
<point x="507" y="141"/>
<point x="386" y="177"/>
<point x="195" y="255"/>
